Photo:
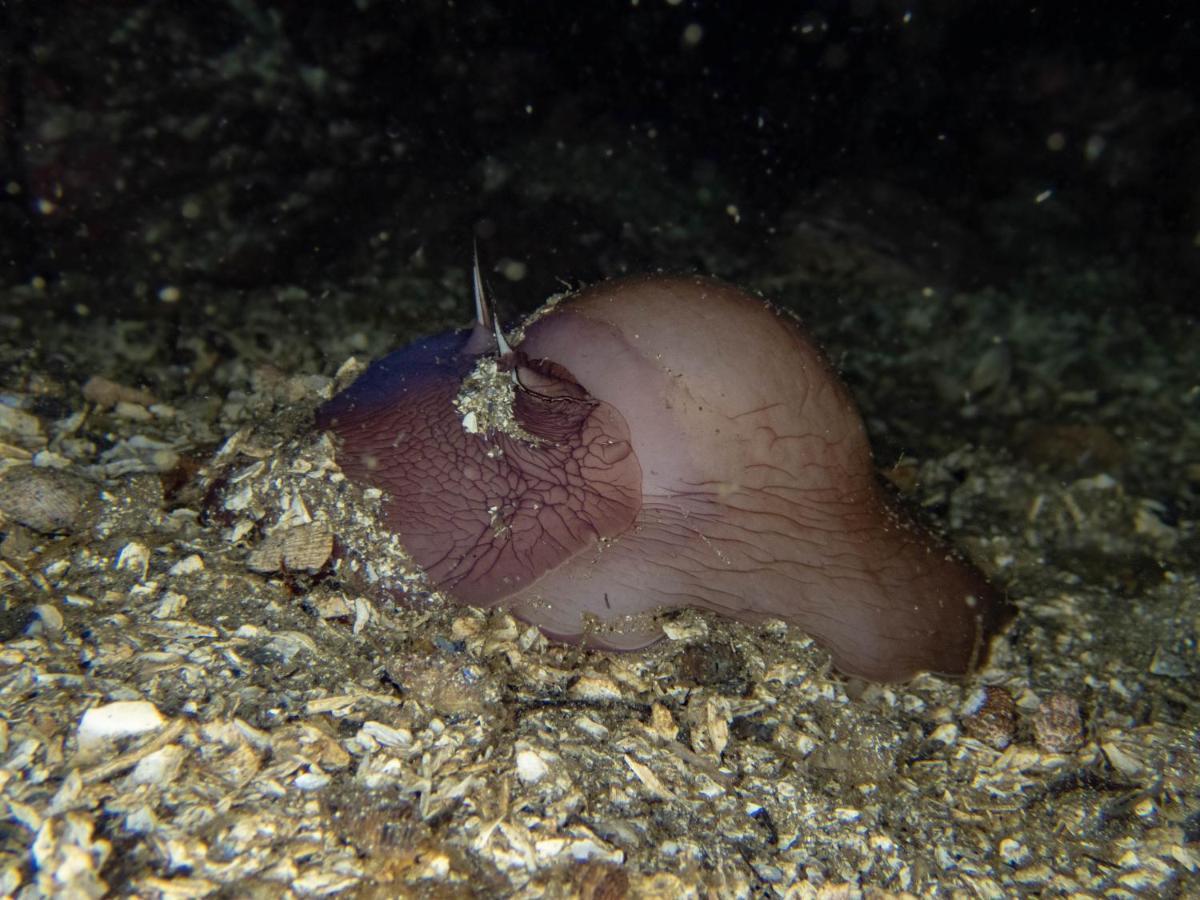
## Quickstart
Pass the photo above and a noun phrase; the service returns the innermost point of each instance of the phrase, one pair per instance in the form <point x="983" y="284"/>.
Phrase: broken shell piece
<point x="68" y="858"/>
<point x="48" y="620"/>
<point x="311" y="781"/>
<point x="134" y="557"/>
<point x="113" y="721"/>
<point x="304" y="548"/>
<point x="295" y="513"/>
<point x="332" y="606"/>
<point x="386" y="735"/>
<point x="46" y="500"/>
<point x="160" y="767"/>
<point x="1121" y="760"/>
<point x="595" y="689"/>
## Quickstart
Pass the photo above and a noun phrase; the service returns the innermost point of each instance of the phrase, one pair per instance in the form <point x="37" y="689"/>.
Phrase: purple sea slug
<point x="657" y="442"/>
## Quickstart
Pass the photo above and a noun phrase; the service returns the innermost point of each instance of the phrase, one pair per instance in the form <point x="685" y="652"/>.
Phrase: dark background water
<point x="253" y="143"/>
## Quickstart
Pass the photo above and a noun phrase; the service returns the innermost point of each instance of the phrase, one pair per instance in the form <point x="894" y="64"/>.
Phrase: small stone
<point x="690" y="628"/>
<point x="1169" y="665"/>
<point x="331" y="606"/>
<point x="133" y="412"/>
<point x="106" y="392"/>
<point x="592" y="728"/>
<point x="1058" y="725"/>
<point x="990" y="716"/>
<point x="171" y="605"/>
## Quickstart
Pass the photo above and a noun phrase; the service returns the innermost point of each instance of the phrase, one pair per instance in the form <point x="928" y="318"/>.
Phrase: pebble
<point x="106" y="392"/>
<point x="387" y="735"/>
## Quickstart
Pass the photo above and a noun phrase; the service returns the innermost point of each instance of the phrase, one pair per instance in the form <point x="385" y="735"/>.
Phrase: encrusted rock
<point x="1057" y="724"/>
<point x="990" y="715"/>
<point x="47" y="500"/>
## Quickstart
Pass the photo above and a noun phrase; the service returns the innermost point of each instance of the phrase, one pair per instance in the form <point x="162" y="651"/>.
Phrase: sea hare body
<point x="672" y="442"/>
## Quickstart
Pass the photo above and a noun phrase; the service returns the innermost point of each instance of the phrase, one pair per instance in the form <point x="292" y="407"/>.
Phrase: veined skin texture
<point x="680" y="443"/>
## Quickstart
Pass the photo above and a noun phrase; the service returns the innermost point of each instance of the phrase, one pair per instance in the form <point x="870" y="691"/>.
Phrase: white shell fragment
<point x="48" y="619"/>
<point x="189" y="565"/>
<point x="531" y="768"/>
<point x="134" y="557"/>
<point x="386" y="735"/>
<point x="595" y="688"/>
<point x="160" y="767"/>
<point x="124" y="718"/>
<point x="312" y="781"/>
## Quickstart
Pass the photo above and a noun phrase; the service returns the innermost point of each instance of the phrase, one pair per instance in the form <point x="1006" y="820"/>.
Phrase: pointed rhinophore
<point x="486" y="334"/>
<point x="484" y="316"/>
<point x="483" y="333"/>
